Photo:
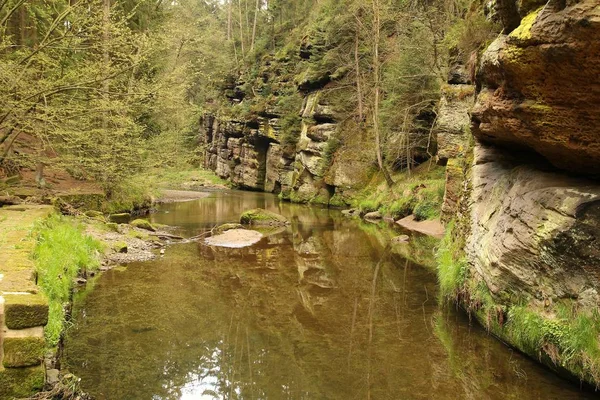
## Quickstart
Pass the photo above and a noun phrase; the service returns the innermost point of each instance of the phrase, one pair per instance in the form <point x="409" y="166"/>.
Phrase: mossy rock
<point x="113" y="226"/>
<point x="143" y="224"/>
<point x="93" y="214"/>
<point x="25" y="311"/>
<point x="226" y="227"/>
<point x="120" y="217"/>
<point x="120" y="247"/>
<point x="21" y="382"/>
<point x="259" y="216"/>
<point x="23" y="351"/>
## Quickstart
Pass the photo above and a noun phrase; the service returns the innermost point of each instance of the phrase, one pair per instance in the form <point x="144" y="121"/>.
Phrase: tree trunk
<point x="254" y="24"/>
<point x="39" y="175"/>
<point x="241" y="26"/>
<point x="106" y="55"/>
<point x="229" y="20"/>
<point x="377" y="89"/>
<point x="358" y="88"/>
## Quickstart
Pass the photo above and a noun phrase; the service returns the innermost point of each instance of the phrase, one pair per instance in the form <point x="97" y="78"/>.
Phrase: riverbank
<point x="44" y="255"/>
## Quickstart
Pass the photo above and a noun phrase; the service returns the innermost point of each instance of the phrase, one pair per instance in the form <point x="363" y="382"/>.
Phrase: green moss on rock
<point x="25" y="311"/>
<point x="23" y="351"/>
<point x="259" y="216"/>
<point x="21" y="382"/>
<point x="143" y="224"/>
<point x="226" y="227"/>
<point x="120" y="247"/>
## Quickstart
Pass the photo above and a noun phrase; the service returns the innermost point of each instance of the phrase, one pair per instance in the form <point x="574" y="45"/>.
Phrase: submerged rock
<point x="259" y="216"/>
<point x="353" y="212"/>
<point x="226" y="227"/>
<point x="235" y="238"/>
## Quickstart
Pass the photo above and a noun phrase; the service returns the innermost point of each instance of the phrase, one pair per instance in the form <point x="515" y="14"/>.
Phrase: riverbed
<point x="325" y="308"/>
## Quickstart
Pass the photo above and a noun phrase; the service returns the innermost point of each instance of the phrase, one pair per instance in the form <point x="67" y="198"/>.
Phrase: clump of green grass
<point x="61" y="252"/>
<point x="451" y="264"/>
<point x="571" y="342"/>
<point x="429" y="201"/>
<point x="421" y="194"/>
<point x="369" y="205"/>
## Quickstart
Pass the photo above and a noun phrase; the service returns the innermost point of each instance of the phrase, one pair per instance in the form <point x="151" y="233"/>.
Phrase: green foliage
<point x="399" y="208"/>
<point x="429" y="201"/>
<point x="61" y="252"/>
<point x="470" y="34"/>
<point x="369" y="205"/>
<point x="451" y="263"/>
<point x="133" y="193"/>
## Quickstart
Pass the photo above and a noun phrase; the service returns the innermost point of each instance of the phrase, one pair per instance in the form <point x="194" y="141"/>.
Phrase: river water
<point x="326" y="308"/>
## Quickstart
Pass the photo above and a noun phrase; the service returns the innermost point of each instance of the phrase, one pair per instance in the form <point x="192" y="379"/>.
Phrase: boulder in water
<point x="259" y="216"/>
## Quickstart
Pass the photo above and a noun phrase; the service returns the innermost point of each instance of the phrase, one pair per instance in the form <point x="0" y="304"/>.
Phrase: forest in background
<point x="107" y="90"/>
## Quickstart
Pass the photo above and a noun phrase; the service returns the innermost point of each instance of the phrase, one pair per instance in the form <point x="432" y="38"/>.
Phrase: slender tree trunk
<point x="377" y="89"/>
<point x="241" y="26"/>
<point x="106" y="55"/>
<point x="229" y="20"/>
<point x="256" y="10"/>
<point x="358" y="87"/>
<point x="39" y="175"/>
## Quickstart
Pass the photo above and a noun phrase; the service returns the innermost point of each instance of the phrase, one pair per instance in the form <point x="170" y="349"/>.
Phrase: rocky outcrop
<point x="255" y="155"/>
<point x="453" y="135"/>
<point x="534" y="231"/>
<point x="539" y="86"/>
<point x="524" y="195"/>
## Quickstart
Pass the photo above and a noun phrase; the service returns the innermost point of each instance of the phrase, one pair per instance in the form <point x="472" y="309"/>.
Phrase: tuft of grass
<point x="369" y="205"/>
<point x="399" y="208"/>
<point x="61" y="252"/>
<point x="421" y="194"/>
<point x="451" y="264"/>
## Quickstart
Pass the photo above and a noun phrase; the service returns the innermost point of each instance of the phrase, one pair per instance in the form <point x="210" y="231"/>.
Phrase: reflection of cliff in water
<point x="319" y="310"/>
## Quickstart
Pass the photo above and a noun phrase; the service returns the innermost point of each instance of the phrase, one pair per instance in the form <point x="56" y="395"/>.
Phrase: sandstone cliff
<point x="523" y="196"/>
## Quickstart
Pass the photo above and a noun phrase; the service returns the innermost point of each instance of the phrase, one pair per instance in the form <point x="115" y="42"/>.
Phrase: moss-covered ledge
<point x="23" y="310"/>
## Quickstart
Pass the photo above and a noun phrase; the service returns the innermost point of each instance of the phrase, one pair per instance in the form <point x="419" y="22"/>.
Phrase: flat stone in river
<point x="235" y="238"/>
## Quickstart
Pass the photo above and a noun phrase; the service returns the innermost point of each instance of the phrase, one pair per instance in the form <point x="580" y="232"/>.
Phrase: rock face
<point x="534" y="232"/>
<point x="254" y="156"/>
<point x="539" y="86"/>
<point x="525" y="196"/>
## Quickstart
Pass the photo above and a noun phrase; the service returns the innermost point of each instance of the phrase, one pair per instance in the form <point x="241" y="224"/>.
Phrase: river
<point x="326" y="308"/>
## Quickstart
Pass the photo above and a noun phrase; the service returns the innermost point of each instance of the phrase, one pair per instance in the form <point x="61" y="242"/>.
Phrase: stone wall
<point x="23" y="309"/>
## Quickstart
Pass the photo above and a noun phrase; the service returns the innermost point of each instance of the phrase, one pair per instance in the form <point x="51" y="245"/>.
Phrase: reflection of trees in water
<point x="317" y="311"/>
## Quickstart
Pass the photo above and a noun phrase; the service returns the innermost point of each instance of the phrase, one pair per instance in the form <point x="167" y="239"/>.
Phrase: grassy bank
<point x="419" y="192"/>
<point x="561" y="335"/>
<point x="61" y="252"/>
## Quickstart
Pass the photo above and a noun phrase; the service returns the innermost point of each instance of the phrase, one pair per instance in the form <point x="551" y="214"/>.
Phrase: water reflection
<point x="323" y="309"/>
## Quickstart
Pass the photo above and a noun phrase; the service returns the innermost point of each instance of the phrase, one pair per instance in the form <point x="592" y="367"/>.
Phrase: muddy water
<point x="324" y="309"/>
